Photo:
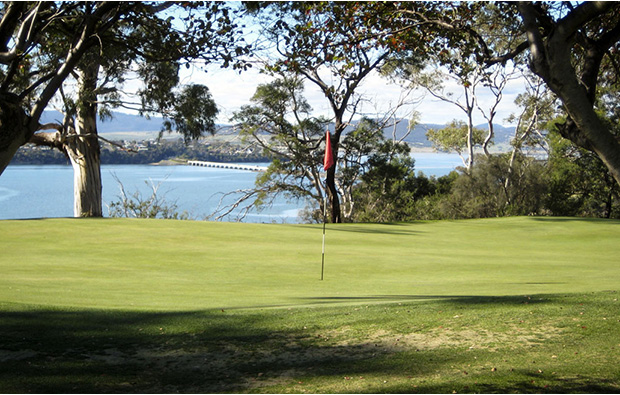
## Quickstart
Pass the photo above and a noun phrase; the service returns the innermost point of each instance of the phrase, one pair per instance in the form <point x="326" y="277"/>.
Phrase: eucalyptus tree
<point x="457" y="136"/>
<point x="467" y="137"/>
<point x="28" y="82"/>
<point x="279" y="121"/>
<point x="154" y="44"/>
<point x="334" y="46"/>
<point x="450" y="73"/>
<point x="579" y="183"/>
<point x="573" y="47"/>
<point x="537" y="107"/>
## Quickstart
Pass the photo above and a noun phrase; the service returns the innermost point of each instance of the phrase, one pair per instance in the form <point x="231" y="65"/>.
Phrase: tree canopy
<point x="573" y="48"/>
<point x="42" y="44"/>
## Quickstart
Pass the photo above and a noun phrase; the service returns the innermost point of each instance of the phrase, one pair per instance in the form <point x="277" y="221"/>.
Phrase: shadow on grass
<point x="48" y="351"/>
<point x="606" y="221"/>
<point x="531" y="385"/>
<point x="453" y="299"/>
<point x="397" y="229"/>
<point x="90" y="351"/>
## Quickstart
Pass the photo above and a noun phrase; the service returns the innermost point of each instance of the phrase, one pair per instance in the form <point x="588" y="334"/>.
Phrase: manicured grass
<point x="498" y="305"/>
<point x="182" y="265"/>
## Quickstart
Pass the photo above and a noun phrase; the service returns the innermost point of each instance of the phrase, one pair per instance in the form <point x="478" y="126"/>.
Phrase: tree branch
<point x="534" y="38"/>
<point x="584" y="13"/>
<point x="73" y="57"/>
<point x="502" y="59"/>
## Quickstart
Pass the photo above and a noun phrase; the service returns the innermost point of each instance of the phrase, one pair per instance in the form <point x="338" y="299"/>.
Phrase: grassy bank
<point x="499" y="305"/>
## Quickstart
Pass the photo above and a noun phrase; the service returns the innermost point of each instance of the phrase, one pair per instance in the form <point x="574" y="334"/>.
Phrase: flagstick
<point x="323" y="249"/>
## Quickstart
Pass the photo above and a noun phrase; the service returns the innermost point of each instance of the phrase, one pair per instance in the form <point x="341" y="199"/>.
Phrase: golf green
<point x="183" y="265"/>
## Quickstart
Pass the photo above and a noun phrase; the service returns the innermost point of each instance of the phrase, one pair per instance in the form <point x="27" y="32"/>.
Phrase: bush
<point x="492" y="190"/>
<point x="579" y="183"/>
<point x="137" y="206"/>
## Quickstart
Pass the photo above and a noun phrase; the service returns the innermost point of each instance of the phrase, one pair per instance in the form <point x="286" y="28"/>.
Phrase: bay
<point x="47" y="191"/>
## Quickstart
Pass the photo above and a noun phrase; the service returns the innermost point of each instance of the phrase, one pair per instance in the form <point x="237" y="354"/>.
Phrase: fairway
<point x="511" y="305"/>
<point x="183" y="265"/>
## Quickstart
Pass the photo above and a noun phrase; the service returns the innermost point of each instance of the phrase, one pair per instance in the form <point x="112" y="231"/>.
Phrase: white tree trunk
<point x="87" y="188"/>
<point x="83" y="149"/>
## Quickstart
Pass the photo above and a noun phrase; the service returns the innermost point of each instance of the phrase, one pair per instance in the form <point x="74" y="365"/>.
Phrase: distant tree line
<point x="165" y="150"/>
<point x="571" y="181"/>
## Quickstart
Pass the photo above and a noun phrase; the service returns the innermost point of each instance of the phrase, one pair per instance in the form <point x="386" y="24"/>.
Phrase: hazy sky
<point x="231" y="90"/>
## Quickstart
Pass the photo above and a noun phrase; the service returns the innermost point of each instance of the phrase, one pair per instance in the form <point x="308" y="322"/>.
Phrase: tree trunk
<point x="599" y="139"/>
<point x="588" y="130"/>
<point x="470" y="144"/>
<point x="83" y="149"/>
<point x="487" y="140"/>
<point x="551" y="60"/>
<point x="332" y="189"/>
<point x="330" y="180"/>
<point x="332" y="194"/>
<point x="609" y="203"/>
<point x="469" y="109"/>
<point x="14" y="130"/>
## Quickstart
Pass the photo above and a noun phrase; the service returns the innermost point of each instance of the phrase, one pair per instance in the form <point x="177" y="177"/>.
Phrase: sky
<point x="231" y="90"/>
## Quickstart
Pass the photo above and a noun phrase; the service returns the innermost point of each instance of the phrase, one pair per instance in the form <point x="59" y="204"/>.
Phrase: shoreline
<point x="169" y="162"/>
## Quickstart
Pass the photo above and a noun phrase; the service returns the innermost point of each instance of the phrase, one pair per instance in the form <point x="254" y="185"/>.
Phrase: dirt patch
<point x="445" y="337"/>
<point x="234" y="366"/>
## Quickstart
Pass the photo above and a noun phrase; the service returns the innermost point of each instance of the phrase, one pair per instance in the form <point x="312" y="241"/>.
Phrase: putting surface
<point x="183" y="265"/>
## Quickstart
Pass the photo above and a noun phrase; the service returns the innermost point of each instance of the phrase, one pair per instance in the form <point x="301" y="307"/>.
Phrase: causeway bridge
<point x="220" y="165"/>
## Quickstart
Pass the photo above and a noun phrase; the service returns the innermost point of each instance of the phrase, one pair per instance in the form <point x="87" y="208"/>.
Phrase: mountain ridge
<point x="135" y="124"/>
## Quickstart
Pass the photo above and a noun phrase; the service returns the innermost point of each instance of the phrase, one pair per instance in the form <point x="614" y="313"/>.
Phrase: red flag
<point x="328" y="160"/>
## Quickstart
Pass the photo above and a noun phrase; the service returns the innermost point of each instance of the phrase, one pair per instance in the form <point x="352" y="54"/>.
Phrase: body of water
<point x="47" y="191"/>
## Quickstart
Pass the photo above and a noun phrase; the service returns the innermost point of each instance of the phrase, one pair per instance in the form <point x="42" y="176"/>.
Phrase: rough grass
<point x="502" y="305"/>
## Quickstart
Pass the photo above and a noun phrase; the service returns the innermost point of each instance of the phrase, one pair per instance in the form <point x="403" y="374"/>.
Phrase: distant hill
<point x="136" y="125"/>
<point x="417" y="137"/>
<point x="120" y="122"/>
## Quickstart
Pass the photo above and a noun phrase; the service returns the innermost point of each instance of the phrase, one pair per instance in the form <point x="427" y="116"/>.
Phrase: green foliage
<point x="483" y="193"/>
<point x="159" y="79"/>
<point x="364" y="140"/>
<point x="570" y="182"/>
<point x="580" y="184"/>
<point x="280" y="124"/>
<point x="335" y="36"/>
<point x="490" y="189"/>
<point x="335" y="46"/>
<point x="453" y="138"/>
<point x="194" y="113"/>
<point x="154" y="42"/>
<point x="389" y="187"/>
<point x="199" y="33"/>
